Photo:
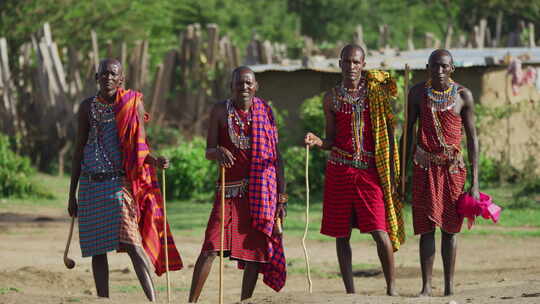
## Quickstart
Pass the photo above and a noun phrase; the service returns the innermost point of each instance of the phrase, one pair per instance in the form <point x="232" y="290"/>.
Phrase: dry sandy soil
<point x="490" y="269"/>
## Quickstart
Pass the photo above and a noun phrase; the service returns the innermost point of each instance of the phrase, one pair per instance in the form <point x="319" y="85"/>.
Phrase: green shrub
<point x="190" y="174"/>
<point x="295" y="168"/>
<point x="312" y="116"/>
<point x="489" y="170"/>
<point x="161" y="137"/>
<point x="15" y="172"/>
<point x="528" y="197"/>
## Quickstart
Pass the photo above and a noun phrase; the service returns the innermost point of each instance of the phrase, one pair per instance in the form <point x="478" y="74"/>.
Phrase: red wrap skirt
<point x="353" y="198"/>
<point x="241" y="241"/>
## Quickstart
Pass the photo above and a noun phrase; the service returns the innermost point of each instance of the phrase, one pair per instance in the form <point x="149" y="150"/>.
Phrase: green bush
<point x="312" y="116"/>
<point x="190" y="174"/>
<point x="161" y="137"/>
<point x="491" y="171"/>
<point x="488" y="170"/>
<point x="295" y="166"/>
<point x="15" y="172"/>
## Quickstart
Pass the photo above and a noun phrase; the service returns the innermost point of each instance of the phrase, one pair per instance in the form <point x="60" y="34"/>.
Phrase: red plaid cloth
<point x="263" y="190"/>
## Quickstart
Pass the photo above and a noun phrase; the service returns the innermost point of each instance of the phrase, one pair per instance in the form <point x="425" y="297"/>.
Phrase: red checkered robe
<point x="352" y="193"/>
<point x="435" y="189"/>
<point x="249" y="219"/>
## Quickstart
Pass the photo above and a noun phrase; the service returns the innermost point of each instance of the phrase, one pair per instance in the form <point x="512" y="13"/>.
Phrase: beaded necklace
<point x="239" y="139"/>
<point x="441" y="100"/>
<point x="344" y="102"/>
<point x="101" y="113"/>
<point x="446" y="100"/>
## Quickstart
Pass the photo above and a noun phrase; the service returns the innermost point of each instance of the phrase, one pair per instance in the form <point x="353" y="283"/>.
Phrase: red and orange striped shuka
<point x="144" y="183"/>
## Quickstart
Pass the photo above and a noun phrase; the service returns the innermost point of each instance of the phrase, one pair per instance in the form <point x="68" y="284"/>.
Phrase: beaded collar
<point x="239" y="138"/>
<point x="100" y="111"/>
<point x="345" y="102"/>
<point x="441" y="100"/>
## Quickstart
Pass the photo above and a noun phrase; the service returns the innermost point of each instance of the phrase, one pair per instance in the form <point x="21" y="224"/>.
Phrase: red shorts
<point x="352" y="198"/>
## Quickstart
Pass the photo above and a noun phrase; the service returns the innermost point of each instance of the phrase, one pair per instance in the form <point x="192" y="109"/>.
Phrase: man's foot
<point x="448" y="291"/>
<point x="426" y="292"/>
<point x="391" y="291"/>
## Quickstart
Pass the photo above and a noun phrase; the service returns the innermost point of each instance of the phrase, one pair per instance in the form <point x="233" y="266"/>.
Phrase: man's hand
<point x="72" y="207"/>
<point x="225" y="158"/>
<point x="313" y="140"/>
<point x="474" y="192"/>
<point x="162" y="162"/>
<point x="281" y="211"/>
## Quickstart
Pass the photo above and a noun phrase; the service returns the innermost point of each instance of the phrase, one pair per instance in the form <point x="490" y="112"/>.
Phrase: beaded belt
<point x="452" y="159"/>
<point x="235" y="188"/>
<point x="341" y="157"/>
<point x="103" y="176"/>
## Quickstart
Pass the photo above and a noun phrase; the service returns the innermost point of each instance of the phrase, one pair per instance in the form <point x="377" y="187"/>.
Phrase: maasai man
<point x="363" y="164"/>
<point x="442" y="107"/>
<point x="242" y="137"/>
<point x="119" y="204"/>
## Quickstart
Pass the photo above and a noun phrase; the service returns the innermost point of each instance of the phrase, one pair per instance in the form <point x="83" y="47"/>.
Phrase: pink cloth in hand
<point x="470" y="208"/>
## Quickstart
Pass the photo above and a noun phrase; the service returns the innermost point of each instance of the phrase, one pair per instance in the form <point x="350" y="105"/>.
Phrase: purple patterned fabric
<point x="263" y="190"/>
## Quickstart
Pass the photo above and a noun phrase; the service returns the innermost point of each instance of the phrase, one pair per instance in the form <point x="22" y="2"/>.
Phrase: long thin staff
<point x="306" y="256"/>
<point x="222" y="228"/>
<point x="67" y="261"/>
<point x="166" y="238"/>
<point x="405" y="123"/>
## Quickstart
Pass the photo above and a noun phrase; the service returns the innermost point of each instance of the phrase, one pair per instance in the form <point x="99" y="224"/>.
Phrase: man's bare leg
<point x="138" y="258"/>
<point x="427" y="256"/>
<point x="251" y="273"/>
<point x="100" y="269"/>
<point x="448" y="252"/>
<point x="344" y="254"/>
<point x="386" y="255"/>
<point x="200" y="274"/>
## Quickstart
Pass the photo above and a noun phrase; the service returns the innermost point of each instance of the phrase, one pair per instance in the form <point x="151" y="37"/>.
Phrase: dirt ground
<point x="490" y="269"/>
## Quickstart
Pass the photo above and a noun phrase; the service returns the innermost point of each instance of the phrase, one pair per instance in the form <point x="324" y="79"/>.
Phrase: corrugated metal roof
<point x="416" y="60"/>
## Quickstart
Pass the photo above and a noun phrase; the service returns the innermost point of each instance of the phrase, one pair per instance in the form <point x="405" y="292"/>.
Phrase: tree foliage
<point x="161" y="21"/>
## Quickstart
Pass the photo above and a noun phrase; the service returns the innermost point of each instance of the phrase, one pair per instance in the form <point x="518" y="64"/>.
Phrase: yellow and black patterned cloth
<point x="382" y="90"/>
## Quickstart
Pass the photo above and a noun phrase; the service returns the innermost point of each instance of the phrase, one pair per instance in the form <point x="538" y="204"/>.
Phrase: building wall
<point x="287" y="91"/>
<point x="514" y="134"/>
<point x="514" y="138"/>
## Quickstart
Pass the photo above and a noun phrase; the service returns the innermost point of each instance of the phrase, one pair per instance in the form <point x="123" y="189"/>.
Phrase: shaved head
<point x="352" y="47"/>
<point x="241" y="70"/>
<point x="439" y="53"/>
<point x="110" y="77"/>
<point x="108" y="61"/>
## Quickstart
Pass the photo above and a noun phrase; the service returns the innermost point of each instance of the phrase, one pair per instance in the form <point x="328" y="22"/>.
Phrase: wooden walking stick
<point x="166" y="237"/>
<point x="405" y="123"/>
<point x="67" y="261"/>
<point x="306" y="256"/>
<point x="222" y="228"/>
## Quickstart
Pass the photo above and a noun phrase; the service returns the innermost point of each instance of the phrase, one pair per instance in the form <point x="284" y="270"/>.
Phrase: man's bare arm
<point x="413" y="110"/>
<point x="83" y="129"/>
<point x="467" y="114"/>
<point x="213" y="151"/>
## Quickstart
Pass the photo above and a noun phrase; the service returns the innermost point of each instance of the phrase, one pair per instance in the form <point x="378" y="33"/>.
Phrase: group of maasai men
<point x="120" y="207"/>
